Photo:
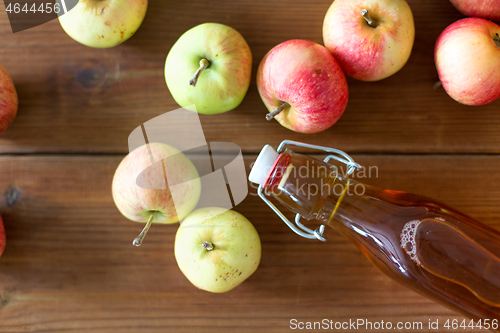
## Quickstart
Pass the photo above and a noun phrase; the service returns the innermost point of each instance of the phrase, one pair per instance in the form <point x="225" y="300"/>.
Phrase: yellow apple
<point x="217" y="249"/>
<point x="103" y="23"/>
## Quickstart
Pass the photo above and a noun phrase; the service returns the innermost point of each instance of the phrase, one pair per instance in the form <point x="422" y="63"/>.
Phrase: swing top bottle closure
<point x="421" y="243"/>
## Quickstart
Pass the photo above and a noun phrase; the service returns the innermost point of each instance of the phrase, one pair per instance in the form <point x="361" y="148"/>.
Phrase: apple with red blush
<point x="371" y="39"/>
<point x="155" y="183"/>
<point x="302" y="86"/>
<point x="487" y="9"/>
<point x="467" y="57"/>
<point x="8" y="100"/>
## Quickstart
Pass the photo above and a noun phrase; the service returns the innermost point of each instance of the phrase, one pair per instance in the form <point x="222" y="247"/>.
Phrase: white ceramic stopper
<point x="263" y="164"/>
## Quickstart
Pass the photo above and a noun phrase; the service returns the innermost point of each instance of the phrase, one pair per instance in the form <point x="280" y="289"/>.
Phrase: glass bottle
<point x="421" y="243"/>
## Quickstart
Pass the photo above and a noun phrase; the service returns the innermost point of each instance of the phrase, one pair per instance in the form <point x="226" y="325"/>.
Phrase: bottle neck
<point x="310" y="187"/>
<point x="317" y="190"/>
<point x="340" y="198"/>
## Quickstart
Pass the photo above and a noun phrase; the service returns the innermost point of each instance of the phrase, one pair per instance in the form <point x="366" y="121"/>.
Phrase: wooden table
<point x="69" y="265"/>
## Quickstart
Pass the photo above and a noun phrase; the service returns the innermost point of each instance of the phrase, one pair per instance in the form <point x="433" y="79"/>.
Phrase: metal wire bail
<point x="298" y="227"/>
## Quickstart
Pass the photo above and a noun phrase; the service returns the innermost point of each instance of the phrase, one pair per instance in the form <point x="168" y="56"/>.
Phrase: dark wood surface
<point x="69" y="265"/>
<point x="59" y="112"/>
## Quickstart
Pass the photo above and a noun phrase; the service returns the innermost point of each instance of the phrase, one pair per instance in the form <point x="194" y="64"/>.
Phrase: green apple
<point x="209" y="66"/>
<point x="217" y="249"/>
<point x="155" y="183"/>
<point x="104" y="23"/>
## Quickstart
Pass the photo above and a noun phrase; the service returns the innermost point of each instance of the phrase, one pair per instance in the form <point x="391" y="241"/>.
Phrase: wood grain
<point x="78" y="99"/>
<point x="70" y="266"/>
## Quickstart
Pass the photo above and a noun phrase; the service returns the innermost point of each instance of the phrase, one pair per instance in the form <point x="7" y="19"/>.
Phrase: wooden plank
<point x="78" y="99"/>
<point x="70" y="266"/>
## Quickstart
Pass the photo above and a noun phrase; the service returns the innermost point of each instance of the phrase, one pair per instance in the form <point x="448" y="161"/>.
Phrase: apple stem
<point x="207" y="246"/>
<point x="204" y="63"/>
<point x="497" y="39"/>
<point x="140" y="238"/>
<point x="368" y="18"/>
<point x="277" y="111"/>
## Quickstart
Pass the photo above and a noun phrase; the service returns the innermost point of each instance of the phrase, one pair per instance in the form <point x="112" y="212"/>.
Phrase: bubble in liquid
<point x="408" y="242"/>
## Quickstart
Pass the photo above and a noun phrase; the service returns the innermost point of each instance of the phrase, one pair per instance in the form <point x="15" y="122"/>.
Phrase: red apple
<point x="488" y="9"/>
<point x="371" y="39"/>
<point x="303" y="86"/>
<point x="467" y="56"/>
<point x="8" y="100"/>
<point x="2" y="237"/>
<point x="156" y="183"/>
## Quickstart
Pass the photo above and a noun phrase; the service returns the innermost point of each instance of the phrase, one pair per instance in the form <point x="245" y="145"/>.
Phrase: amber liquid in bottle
<point x="423" y="244"/>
